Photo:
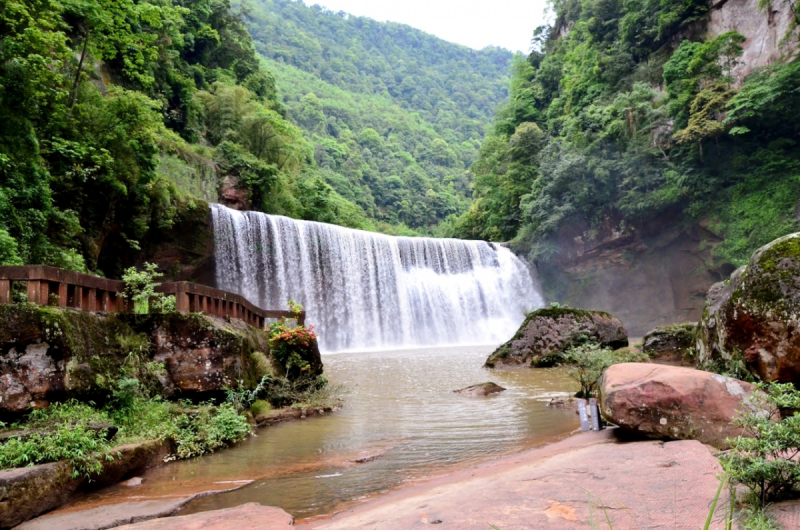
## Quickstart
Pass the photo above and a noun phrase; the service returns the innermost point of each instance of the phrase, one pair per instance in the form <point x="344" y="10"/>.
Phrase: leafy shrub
<point x="765" y="460"/>
<point x="260" y="407"/>
<point x="291" y="344"/>
<point x="208" y="429"/>
<point x="61" y="432"/>
<point x="241" y="398"/>
<point x="587" y="363"/>
<point x="82" y="447"/>
<point x="140" y="287"/>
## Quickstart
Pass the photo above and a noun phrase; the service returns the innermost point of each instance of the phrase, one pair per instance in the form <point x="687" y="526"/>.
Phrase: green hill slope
<point x="395" y="115"/>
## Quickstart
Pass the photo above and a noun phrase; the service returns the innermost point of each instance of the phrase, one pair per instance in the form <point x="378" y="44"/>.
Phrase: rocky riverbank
<point x="567" y="485"/>
<point x="96" y="398"/>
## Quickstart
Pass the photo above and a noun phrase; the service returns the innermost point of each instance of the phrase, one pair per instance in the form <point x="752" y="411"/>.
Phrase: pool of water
<point x="400" y="414"/>
<point x="400" y="406"/>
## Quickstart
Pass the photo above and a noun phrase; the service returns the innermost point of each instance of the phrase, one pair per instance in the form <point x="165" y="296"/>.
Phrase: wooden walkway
<point x="51" y="286"/>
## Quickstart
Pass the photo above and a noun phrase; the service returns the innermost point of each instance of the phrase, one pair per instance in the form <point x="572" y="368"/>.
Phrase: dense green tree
<point x="100" y="102"/>
<point x="636" y="120"/>
<point x="392" y="130"/>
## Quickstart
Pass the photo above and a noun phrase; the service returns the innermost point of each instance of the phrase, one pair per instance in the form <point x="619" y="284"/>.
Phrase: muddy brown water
<point x="401" y="419"/>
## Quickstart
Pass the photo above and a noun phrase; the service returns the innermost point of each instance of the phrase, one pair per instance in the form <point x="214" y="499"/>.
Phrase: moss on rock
<point x="752" y="317"/>
<point x="51" y="354"/>
<point x="554" y="329"/>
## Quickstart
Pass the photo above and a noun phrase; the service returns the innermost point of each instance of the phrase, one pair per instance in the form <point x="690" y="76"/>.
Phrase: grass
<point x="68" y="431"/>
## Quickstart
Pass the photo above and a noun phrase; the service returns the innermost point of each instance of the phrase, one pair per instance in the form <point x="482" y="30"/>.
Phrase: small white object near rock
<point x="135" y="481"/>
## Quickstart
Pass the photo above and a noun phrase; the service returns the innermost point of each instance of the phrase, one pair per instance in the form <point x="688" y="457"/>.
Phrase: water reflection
<point x="401" y="416"/>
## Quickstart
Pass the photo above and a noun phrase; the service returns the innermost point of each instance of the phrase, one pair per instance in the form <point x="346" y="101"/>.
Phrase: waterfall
<point x="363" y="290"/>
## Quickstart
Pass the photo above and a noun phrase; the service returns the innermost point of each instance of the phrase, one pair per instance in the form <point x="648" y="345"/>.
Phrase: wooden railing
<point x="51" y="286"/>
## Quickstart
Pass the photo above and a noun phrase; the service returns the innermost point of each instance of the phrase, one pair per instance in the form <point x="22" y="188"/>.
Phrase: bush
<point x="140" y="287"/>
<point x="765" y="460"/>
<point x="82" y="447"/>
<point x="61" y="432"/>
<point x="208" y="429"/>
<point x="260" y="407"/>
<point x="291" y="344"/>
<point x="587" y="363"/>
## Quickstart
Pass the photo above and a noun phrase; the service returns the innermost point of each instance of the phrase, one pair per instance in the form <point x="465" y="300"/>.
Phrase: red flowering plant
<point x="291" y="344"/>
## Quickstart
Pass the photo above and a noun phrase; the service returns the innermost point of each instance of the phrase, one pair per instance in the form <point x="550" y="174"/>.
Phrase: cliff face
<point x="655" y="275"/>
<point x="49" y="354"/>
<point x="764" y="29"/>
<point x="659" y="271"/>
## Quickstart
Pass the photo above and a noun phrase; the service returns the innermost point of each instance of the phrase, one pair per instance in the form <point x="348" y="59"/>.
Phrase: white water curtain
<point x="367" y="291"/>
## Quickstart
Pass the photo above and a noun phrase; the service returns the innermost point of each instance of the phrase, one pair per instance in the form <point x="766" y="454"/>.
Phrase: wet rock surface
<point x="250" y="516"/>
<point x="483" y="389"/>
<point x="754" y="316"/>
<point x="658" y="485"/>
<point x="670" y="402"/>
<point x="552" y="330"/>
<point x="111" y="516"/>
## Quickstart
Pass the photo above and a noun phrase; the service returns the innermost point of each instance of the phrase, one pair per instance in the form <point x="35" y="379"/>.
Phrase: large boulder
<point x="754" y="317"/>
<point x="674" y="402"/>
<point x="670" y="344"/>
<point x="552" y="330"/>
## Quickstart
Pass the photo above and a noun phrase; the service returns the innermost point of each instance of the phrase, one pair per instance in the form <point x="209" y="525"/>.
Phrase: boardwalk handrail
<point x="52" y="286"/>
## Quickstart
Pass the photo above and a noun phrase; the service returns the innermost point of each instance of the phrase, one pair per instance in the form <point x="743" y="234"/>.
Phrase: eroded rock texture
<point x="50" y="354"/>
<point x="754" y="317"/>
<point x="671" y="344"/>
<point x="552" y="330"/>
<point x="674" y="402"/>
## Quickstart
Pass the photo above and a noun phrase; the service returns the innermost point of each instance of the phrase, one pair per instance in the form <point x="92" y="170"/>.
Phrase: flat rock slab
<point x="109" y="516"/>
<point x="564" y="486"/>
<point x="250" y="516"/>
<point x="786" y="514"/>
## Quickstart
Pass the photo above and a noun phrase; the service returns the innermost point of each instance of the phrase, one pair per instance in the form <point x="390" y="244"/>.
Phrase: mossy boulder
<point x="552" y="330"/>
<point x="51" y="354"/>
<point x="202" y="354"/>
<point x="671" y="344"/>
<point x="754" y="317"/>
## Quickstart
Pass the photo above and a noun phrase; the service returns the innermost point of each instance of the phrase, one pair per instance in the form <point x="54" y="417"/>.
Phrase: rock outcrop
<point x="765" y="29"/>
<point x="554" y="329"/>
<point x="51" y="354"/>
<point x="670" y="344"/>
<point x="754" y="317"/>
<point x="483" y="389"/>
<point x="31" y="491"/>
<point x="673" y="402"/>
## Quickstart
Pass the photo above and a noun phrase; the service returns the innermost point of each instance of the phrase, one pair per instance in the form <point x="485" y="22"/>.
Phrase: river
<point x="400" y="409"/>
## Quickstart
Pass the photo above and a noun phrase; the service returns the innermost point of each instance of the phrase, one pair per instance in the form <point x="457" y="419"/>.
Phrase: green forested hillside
<point x="117" y="116"/>
<point x="396" y="116"/>
<point x="627" y="110"/>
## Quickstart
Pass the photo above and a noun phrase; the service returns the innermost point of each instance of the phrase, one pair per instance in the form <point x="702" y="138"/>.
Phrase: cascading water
<point x="363" y="290"/>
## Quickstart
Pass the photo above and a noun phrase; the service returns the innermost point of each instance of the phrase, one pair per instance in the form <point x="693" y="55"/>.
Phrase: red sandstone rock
<point x="673" y="402"/>
<point x="232" y="195"/>
<point x="573" y="484"/>
<point x="755" y="314"/>
<point x="250" y="516"/>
